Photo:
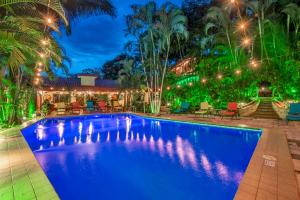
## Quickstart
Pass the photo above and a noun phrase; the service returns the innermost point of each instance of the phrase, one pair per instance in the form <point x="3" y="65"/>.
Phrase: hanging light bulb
<point x="40" y="64"/>
<point x="203" y="80"/>
<point x="49" y="20"/>
<point x="44" y="42"/>
<point x="42" y="55"/>
<point x="219" y="76"/>
<point x="242" y="25"/>
<point x="246" y="41"/>
<point x="238" y="72"/>
<point x="254" y="63"/>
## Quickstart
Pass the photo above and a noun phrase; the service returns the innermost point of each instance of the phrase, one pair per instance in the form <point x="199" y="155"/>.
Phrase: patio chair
<point x="90" y="106"/>
<point x="117" y="106"/>
<point x="232" y="110"/>
<point x="102" y="106"/>
<point x="76" y="107"/>
<point x="184" y="107"/>
<point x="61" y="108"/>
<point x="294" y="112"/>
<point x="204" y="109"/>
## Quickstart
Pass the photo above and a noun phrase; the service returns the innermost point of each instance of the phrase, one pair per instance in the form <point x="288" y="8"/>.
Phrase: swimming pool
<point x="123" y="156"/>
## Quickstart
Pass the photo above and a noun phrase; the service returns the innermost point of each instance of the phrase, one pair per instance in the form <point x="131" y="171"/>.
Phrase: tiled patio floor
<point x="22" y="178"/>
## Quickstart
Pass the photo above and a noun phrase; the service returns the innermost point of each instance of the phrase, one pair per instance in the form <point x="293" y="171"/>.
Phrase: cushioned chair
<point x="232" y="110"/>
<point x="76" y="107"/>
<point x="90" y="106"/>
<point x="61" y="108"/>
<point x="294" y="112"/>
<point x="204" y="109"/>
<point x="184" y="107"/>
<point x="102" y="106"/>
<point x="117" y="106"/>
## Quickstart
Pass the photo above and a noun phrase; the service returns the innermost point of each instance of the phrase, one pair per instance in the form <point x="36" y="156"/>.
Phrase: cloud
<point x="96" y="39"/>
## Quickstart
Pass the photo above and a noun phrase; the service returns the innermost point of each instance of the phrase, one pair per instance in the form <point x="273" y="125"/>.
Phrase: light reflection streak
<point x="160" y="145"/>
<point x="169" y="147"/>
<point x="180" y="150"/>
<point x="222" y="171"/>
<point x="206" y="165"/>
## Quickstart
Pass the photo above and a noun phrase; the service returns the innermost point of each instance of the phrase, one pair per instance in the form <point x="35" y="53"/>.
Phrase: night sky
<point x="97" y="39"/>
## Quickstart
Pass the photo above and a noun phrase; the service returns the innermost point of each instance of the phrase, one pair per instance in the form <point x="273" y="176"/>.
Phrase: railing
<point x="249" y="108"/>
<point x="281" y="108"/>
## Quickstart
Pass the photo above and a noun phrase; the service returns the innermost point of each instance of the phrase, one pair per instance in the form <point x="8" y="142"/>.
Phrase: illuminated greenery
<point x="252" y="44"/>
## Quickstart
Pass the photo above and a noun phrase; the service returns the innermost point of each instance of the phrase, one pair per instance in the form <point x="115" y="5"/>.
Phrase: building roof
<point x="74" y="83"/>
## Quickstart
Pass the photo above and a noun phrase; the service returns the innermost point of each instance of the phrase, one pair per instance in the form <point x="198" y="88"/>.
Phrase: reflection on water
<point x="153" y="136"/>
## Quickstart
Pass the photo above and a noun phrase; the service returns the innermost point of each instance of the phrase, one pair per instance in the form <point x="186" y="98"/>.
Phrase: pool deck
<point x="21" y="177"/>
<point x="270" y="173"/>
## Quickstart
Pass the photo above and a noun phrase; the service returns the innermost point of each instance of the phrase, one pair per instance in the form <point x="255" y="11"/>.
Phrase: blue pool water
<point x="123" y="156"/>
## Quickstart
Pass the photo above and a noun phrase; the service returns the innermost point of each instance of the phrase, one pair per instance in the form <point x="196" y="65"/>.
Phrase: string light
<point x="238" y="72"/>
<point x="219" y="76"/>
<point x="44" y="42"/>
<point x="40" y="64"/>
<point x="39" y="70"/>
<point x="49" y="20"/>
<point x="190" y="84"/>
<point x="242" y="25"/>
<point x="42" y="55"/>
<point x="203" y="80"/>
<point x="254" y="63"/>
<point x="178" y="86"/>
<point x="168" y="88"/>
<point x="38" y="74"/>
<point x="246" y="41"/>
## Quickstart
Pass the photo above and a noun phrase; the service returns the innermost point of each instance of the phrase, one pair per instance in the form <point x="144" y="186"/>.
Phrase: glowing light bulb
<point x="178" y="86"/>
<point x="246" y="41"/>
<point x="190" y="84"/>
<point x="168" y="88"/>
<point x="254" y="63"/>
<point x="44" y="42"/>
<point x="203" y="80"/>
<point x="42" y="55"/>
<point x="40" y="64"/>
<point x="49" y="20"/>
<point x="39" y="69"/>
<point x="238" y="72"/>
<point x="219" y="76"/>
<point x="38" y="74"/>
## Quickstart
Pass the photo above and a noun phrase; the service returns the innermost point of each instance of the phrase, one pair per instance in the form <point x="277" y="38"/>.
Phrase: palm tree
<point x="220" y="19"/>
<point x="292" y="11"/>
<point x="171" y="24"/>
<point x="261" y="8"/>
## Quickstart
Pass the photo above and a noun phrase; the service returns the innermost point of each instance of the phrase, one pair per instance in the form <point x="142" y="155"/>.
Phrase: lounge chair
<point x="294" y="112"/>
<point x="232" y="110"/>
<point x="76" y="107"/>
<point x="117" y="106"/>
<point x="61" y="108"/>
<point x="184" y="107"/>
<point x="204" y="109"/>
<point x="102" y="106"/>
<point x="90" y="106"/>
